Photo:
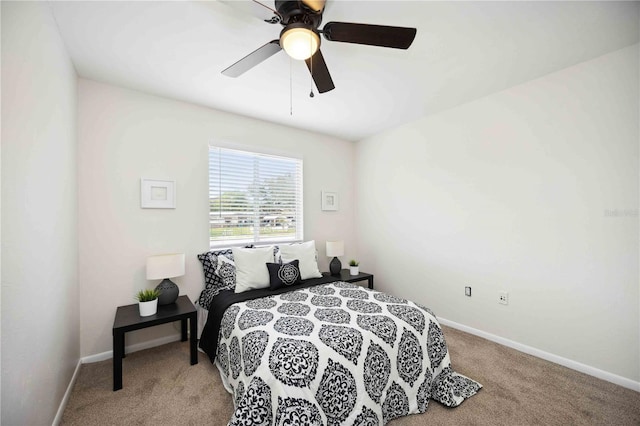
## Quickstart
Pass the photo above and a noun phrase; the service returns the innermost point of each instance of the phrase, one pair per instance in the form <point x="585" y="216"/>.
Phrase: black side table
<point x="346" y="276"/>
<point x="128" y="319"/>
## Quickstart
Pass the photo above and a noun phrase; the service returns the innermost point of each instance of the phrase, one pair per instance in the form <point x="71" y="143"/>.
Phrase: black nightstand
<point x="128" y="319"/>
<point x="347" y="277"/>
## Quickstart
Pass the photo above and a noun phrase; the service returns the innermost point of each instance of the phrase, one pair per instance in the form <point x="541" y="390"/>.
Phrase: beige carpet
<point x="161" y="388"/>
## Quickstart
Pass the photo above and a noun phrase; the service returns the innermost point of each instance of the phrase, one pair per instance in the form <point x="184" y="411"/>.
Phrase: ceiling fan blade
<point x="255" y="8"/>
<point x="320" y="72"/>
<point x="372" y="35"/>
<point x="253" y="59"/>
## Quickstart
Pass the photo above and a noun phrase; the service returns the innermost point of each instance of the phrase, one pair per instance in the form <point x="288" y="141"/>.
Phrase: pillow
<point x="283" y="274"/>
<point x="251" y="270"/>
<point x="213" y="283"/>
<point x="226" y="270"/>
<point x="306" y="254"/>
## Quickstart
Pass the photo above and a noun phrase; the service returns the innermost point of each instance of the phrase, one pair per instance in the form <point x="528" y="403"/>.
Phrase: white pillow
<point x="306" y="254"/>
<point x="251" y="267"/>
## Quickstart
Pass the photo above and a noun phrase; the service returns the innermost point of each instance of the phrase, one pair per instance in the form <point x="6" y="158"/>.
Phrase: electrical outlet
<point x="503" y="297"/>
<point x="467" y="291"/>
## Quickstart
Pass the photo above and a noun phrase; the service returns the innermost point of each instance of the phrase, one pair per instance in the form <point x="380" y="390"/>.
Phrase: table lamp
<point x="162" y="267"/>
<point x="335" y="249"/>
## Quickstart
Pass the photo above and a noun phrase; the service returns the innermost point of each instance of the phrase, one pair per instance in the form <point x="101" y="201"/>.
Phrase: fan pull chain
<point x="311" y="69"/>
<point x="290" y="87"/>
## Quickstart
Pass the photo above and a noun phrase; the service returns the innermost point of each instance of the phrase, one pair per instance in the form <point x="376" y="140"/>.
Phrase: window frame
<point x="259" y="155"/>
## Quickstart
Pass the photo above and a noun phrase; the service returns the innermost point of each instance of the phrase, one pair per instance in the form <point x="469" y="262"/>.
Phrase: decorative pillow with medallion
<point x="226" y="270"/>
<point x="283" y="274"/>
<point x="213" y="283"/>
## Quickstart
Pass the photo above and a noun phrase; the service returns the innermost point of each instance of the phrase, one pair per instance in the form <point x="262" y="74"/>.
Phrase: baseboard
<point x="132" y="348"/>
<point x="574" y="365"/>
<point x="63" y="404"/>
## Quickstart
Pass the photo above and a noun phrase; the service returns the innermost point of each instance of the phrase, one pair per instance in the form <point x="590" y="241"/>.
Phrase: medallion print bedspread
<point x="334" y="354"/>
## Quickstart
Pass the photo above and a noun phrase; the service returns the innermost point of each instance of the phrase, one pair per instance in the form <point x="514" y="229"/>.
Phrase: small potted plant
<point x="148" y="302"/>
<point x="354" y="269"/>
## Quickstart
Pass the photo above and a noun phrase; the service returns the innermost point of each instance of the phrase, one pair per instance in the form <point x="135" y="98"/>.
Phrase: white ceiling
<point x="462" y="51"/>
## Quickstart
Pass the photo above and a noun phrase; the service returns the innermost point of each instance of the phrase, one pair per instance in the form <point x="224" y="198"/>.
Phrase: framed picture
<point x="329" y="201"/>
<point x="157" y="194"/>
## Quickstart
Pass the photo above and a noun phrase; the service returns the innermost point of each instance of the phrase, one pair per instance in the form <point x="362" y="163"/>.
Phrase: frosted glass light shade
<point x="299" y="42"/>
<point x="165" y="266"/>
<point x="335" y="248"/>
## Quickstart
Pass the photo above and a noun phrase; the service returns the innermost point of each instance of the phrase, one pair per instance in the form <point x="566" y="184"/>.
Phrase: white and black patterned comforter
<point x="334" y="354"/>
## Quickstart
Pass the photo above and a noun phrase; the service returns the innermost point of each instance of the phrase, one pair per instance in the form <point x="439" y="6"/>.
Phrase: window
<point x="253" y="198"/>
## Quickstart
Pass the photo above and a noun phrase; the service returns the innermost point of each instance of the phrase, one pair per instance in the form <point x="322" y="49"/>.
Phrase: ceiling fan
<point x="300" y="37"/>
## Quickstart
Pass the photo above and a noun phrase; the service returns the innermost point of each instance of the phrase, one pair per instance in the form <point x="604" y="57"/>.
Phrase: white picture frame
<point x="329" y="201"/>
<point x="157" y="194"/>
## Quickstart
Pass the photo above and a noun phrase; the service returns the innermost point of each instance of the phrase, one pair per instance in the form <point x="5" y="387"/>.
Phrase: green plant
<point x="353" y="262"/>
<point x="147" y="295"/>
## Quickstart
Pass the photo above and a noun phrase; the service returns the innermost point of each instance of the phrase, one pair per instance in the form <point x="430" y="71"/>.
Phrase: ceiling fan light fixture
<point x="300" y="41"/>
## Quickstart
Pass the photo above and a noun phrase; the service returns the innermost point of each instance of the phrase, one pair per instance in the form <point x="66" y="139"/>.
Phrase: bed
<point x="327" y="353"/>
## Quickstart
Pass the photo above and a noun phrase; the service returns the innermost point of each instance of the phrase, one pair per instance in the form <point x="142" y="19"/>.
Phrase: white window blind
<point x="253" y="198"/>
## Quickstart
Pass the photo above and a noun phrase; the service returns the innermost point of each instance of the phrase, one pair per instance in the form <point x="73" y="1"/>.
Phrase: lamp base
<point x="168" y="292"/>
<point x="335" y="266"/>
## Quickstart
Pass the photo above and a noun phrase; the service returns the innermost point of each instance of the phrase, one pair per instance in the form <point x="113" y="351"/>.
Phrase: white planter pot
<point x="354" y="270"/>
<point x="148" y="308"/>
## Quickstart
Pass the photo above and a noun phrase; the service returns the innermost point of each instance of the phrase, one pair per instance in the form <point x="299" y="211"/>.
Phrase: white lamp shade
<point x="335" y="248"/>
<point x="165" y="266"/>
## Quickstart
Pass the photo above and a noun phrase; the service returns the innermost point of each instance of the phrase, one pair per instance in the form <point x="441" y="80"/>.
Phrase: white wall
<point x="125" y="135"/>
<point x="40" y="306"/>
<point x="533" y="190"/>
